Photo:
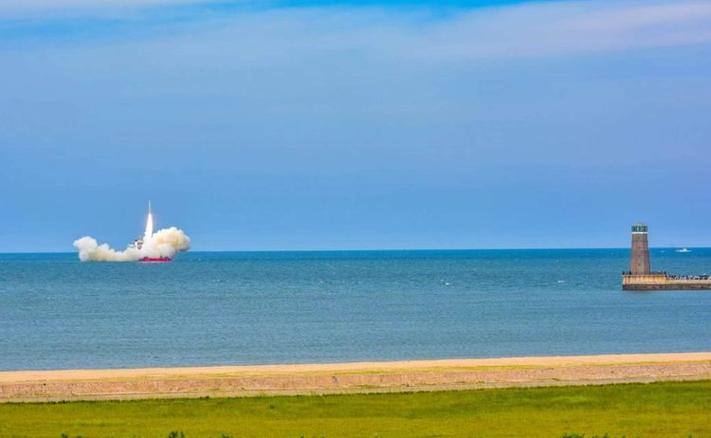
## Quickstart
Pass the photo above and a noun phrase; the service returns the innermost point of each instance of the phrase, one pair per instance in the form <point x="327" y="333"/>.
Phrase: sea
<point x="210" y="308"/>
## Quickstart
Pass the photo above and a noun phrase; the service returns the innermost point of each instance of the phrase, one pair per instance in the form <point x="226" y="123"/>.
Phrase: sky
<point x="260" y="125"/>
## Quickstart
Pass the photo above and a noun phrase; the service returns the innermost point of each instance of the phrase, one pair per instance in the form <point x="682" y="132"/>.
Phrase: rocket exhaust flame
<point x="164" y="243"/>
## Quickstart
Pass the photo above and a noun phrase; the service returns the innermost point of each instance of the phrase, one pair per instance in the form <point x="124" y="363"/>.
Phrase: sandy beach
<point x="351" y="377"/>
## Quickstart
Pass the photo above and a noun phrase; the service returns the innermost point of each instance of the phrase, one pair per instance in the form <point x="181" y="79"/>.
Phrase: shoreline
<point x="350" y="377"/>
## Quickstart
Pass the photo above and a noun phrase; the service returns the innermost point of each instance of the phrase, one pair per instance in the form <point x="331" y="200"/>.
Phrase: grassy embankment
<point x="665" y="409"/>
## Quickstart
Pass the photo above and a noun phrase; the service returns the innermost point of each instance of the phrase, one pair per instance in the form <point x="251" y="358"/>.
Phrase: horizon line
<point x="384" y="250"/>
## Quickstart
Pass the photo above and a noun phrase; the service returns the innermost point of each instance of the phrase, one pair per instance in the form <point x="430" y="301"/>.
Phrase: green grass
<point x="671" y="409"/>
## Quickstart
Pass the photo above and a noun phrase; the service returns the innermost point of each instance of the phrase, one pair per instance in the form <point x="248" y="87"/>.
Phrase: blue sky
<point x="336" y="125"/>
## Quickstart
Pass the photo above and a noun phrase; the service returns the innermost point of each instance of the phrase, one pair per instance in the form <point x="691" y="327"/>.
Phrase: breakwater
<point x="664" y="281"/>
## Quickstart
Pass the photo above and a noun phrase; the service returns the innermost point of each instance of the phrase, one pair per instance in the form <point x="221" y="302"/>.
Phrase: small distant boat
<point x="683" y="250"/>
<point x="155" y="259"/>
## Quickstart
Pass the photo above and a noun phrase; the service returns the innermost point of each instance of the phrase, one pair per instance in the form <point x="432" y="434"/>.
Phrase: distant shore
<point x="356" y="377"/>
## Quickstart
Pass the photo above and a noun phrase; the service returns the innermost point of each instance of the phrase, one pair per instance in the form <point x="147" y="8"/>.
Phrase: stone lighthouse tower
<point x="639" y="262"/>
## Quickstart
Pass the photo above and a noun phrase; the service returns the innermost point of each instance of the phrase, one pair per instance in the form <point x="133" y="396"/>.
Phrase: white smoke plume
<point x="164" y="243"/>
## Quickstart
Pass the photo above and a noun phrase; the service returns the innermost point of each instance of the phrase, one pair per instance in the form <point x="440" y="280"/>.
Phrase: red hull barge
<point x="155" y="259"/>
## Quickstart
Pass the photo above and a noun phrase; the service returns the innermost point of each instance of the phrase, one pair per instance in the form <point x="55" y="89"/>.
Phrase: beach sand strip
<point x="356" y="377"/>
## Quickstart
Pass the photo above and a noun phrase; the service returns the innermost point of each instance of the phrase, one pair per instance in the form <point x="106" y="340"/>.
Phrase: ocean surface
<point x="291" y="307"/>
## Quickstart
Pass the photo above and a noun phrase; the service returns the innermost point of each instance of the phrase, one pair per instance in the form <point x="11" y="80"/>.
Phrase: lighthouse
<point x="639" y="262"/>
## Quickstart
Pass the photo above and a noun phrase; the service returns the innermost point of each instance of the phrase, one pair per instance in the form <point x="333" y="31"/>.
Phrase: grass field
<point x="669" y="409"/>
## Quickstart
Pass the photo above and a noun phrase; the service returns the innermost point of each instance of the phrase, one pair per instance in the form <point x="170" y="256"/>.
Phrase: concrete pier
<point x="664" y="281"/>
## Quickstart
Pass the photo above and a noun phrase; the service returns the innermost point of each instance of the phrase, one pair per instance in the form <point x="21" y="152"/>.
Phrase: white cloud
<point x="563" y="28"/>
<point x="53" y="4"/>
<point x="645" y="16"/>
<point x="526" y="30"/>
<point x="54" y="8"/>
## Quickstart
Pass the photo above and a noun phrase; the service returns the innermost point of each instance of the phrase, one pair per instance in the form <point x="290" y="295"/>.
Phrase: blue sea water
<point x="289" y="307"/>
